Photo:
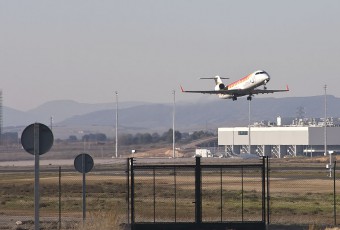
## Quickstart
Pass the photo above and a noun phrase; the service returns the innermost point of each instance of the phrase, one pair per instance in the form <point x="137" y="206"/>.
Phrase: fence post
<point x="154" y="195"/>
<point x="334" y="180"/>
<point x="59" y="193"/>
<point x="198" y="185"/>
<point x="242" y="193"/>
<point x="268" y="194"/>
<point x="263" y="189"/>
<point x="175" y="187"/>
<point x="221" y="181"/>
<point x="132" y="193"/>
<point x="128" y="189"/>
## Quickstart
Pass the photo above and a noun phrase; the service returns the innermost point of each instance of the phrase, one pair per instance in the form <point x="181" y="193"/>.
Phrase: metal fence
<point x="61" y="204"/>
<point x="300" y="194"/>
<point x="303" y="193"/>
<point x="201" y="195"/>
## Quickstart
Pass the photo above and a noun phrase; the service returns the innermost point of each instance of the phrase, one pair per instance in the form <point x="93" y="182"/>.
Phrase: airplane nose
<point x="267" y="78"/>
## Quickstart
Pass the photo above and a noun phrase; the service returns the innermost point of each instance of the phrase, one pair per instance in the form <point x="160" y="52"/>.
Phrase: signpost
<point x="36" y="139"/>
<point x="83" y="163"/>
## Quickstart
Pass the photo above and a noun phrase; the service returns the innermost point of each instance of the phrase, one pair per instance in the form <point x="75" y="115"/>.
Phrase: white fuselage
<point x="246" y="84"/>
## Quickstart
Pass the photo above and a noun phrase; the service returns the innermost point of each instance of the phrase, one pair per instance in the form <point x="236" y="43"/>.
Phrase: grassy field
<point x="299" y="194"/>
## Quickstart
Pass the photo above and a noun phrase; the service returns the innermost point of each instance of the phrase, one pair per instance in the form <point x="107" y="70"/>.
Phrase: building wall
<point x="263" y="136"/>
<point x="317" y="135"/>
<point x="278" y="136"/>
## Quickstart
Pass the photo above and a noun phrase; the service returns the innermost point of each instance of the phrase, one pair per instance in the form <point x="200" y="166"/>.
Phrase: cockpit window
<point x="260" y="72"/>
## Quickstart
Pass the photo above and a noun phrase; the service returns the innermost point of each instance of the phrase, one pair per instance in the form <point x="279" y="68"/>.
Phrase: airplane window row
<point x="260" y="73"/>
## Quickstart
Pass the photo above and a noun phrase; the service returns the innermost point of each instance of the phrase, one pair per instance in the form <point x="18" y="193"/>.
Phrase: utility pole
<point x="325" y="121"/>
<point x="249" y="139"/>
<point x="173" y="124"/>
<point x="51" y="122"/>
<point x="1" y="131"/>
<point x="116" y="124"/>
<point x="330" y="166"/>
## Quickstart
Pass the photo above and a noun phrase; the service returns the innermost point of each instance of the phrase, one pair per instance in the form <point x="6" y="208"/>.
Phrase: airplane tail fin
<point x="182" y="89"/>
<point x="218" y="81"/>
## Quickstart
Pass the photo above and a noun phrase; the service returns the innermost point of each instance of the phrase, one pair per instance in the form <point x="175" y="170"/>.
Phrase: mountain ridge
<point x="157" y="117"/>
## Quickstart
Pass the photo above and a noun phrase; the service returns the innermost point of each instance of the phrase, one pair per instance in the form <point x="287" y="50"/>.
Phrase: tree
<point x="72" y="138"/>
<point x="155" y="137"/>
<point x="146" y="138"/>
<point x="178" y="136"/>
<point x="100" y="137"/>
<point x="94" y="137"/>
<point x="126" y="139"/>
<point x="167" y="136"/>
<point x="200" y="134"/>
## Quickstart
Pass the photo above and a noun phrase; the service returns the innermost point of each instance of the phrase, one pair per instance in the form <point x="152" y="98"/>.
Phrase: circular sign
<point x="45" y="138"/>
<point x="83" y="163"/>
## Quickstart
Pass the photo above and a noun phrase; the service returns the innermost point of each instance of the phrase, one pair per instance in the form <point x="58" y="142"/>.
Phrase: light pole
<point x="325" y="121"/>
<point x="249" y="140"/>
<point x="116" y="124"/>
<point x="173" y="124"/>
<point x="51" y="122"/>
<point x="330" y="166"/>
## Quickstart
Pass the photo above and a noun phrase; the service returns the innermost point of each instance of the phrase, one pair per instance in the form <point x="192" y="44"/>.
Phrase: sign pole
<point x="36" y="176"/>
<point x="83" y="163"/>
<point x="36" y="139"/>
<point x="84" y="188"/>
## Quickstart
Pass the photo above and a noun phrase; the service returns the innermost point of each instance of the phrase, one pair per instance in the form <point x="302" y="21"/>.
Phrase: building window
<point x="243" y="133"/>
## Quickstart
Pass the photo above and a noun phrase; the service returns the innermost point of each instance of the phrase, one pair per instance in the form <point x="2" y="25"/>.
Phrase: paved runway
<point x="60" y="162"/>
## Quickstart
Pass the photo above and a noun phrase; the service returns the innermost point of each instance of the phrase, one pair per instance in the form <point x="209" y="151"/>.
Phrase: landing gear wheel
<point x="249" y="98"/>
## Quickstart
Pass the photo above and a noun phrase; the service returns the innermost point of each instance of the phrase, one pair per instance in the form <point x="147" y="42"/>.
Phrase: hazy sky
<point x="86" y="50"/>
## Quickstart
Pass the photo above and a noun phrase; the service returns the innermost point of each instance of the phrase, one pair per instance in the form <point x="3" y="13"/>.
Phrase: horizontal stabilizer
<point x="214" y="78"/>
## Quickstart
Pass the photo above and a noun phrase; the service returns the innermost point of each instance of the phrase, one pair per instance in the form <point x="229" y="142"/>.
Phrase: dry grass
<point x="298" y="195"/>
<point x="101" y="220"/>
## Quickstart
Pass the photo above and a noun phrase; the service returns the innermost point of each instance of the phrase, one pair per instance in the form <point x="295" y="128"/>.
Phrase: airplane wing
<point x="236" y="91"/>
<point x="222" y="91"/>
<point x="263" y="91"/>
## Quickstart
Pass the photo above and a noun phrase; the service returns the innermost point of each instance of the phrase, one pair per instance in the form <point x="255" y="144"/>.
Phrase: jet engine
<point x="220" y="86"/>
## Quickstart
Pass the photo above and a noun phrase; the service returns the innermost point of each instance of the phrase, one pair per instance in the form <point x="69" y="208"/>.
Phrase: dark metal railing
<point x="151" y="172"/>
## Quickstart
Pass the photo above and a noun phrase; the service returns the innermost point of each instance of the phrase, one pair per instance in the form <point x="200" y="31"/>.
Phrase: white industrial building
<point x="279" y="141"/>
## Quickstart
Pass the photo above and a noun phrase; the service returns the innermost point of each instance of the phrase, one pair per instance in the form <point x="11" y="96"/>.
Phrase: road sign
<point x="36" y="139"/>
<point x="45" y="138"/>
<point x="83" y="163"/>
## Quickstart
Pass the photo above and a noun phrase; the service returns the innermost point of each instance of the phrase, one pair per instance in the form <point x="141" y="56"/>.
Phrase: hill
<point x="207" y="114"/>
<point x="135" y="117"/>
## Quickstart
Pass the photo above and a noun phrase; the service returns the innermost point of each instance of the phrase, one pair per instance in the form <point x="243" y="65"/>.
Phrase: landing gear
<point x="249" y="97"/>
<point x="234" y="98"/>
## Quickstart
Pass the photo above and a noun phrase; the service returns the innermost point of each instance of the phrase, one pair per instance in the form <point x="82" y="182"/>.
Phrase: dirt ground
<point x="279" y="185"/>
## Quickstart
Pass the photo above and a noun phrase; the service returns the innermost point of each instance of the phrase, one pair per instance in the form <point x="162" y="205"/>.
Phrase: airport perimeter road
<point x="60" y="162"/>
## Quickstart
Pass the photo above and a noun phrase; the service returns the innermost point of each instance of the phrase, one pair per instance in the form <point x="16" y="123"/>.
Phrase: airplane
<point x="245" y="86"/>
